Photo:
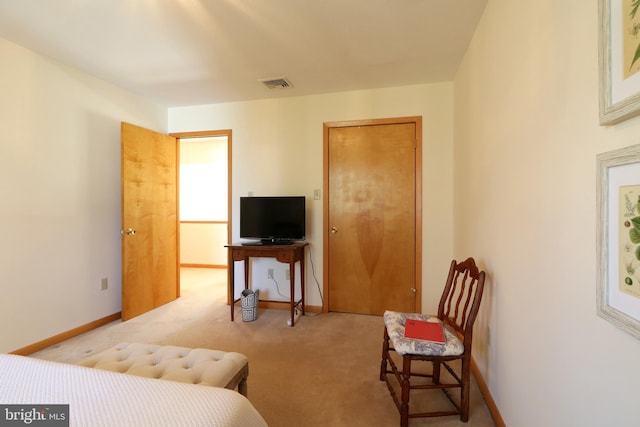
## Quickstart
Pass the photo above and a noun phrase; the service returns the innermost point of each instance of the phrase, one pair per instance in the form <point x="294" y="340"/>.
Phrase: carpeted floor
<point x="322" y="372"/>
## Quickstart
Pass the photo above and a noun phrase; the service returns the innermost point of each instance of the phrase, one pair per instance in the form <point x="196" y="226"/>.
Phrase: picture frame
<point x="618" y="238"/>
<point x="619" y="60"/>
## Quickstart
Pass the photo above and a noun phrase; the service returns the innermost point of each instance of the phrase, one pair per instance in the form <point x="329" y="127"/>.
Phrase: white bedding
<point x="104" y="398"/>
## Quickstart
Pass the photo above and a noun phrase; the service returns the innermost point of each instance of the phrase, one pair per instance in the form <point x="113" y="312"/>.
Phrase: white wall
<point x="59" y="195"/>
<point x="526" y="140"/>
<point x="277" y="150"/>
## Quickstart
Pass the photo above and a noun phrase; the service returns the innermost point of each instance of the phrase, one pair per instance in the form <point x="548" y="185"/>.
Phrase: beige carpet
<point x="322" y="372"/>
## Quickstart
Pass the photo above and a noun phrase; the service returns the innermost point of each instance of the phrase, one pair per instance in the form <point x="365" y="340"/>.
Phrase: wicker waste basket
<point x="249" y="300"/>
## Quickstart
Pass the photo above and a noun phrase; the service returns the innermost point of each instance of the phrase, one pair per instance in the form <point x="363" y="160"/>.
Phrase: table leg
<point x="302" y="280"/>
<point x="232" y="264"/>
<point x="292" y="281"/>
<point x="246" y="272"/>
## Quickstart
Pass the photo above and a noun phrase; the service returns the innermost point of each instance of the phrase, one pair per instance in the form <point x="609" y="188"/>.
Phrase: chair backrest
<point x="461" y="298"/>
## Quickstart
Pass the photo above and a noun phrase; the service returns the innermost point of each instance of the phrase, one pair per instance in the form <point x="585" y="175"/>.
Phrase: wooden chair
<point x="457" y="311"/>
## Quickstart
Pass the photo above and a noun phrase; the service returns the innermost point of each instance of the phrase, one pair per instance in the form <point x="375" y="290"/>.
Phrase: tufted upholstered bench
<point x="188" y="365"/>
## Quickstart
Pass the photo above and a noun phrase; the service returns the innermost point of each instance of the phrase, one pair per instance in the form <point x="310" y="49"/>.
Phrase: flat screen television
<point x="275" y="220"/>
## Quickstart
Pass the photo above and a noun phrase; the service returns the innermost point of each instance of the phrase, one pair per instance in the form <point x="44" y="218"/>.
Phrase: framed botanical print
<point x="619" y="60"/>
<point x="618" y="238"/>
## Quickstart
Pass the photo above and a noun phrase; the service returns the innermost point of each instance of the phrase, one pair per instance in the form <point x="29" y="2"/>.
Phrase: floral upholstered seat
<point x="395" y="323"/>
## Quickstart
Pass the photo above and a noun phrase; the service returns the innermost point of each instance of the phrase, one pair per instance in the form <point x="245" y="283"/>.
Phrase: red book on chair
<point x="422" y="330"/>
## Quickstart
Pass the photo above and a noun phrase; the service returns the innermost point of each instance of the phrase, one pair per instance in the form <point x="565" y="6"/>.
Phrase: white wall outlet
<point x="104" y="283"/>
<point x="316" y="194"/>
<point x="287" y="274"/>
<point x="270" y="273"/>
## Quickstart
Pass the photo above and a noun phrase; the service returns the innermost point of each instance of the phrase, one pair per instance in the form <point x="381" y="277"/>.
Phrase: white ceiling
<point x="190" y="52"/>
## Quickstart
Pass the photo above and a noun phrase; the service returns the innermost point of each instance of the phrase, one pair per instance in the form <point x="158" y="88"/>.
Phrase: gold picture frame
<point x="618" y="238"/>
<point x="619" y="60"/>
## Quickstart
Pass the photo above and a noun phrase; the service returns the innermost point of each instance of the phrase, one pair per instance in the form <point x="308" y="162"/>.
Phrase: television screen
<point x="272" y="220"/>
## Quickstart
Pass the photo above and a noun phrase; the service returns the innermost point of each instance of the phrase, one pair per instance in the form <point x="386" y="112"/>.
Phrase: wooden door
<point x="372" y="217"/>
<point x="150" y="274"/>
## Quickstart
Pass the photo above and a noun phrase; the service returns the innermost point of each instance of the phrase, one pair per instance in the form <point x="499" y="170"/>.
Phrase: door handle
<point x="128" y="232"/>
<point x="334" y="230"/>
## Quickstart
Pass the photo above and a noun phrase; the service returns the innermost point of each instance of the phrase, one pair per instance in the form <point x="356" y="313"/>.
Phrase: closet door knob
<point x="128" y="232"/>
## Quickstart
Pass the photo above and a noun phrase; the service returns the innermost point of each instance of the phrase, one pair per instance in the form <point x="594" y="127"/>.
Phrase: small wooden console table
<point x="288" y="254"/>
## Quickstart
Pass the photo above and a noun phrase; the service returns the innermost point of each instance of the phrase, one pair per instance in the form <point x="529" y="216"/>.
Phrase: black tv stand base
<point x="268" y="242"/>
<point x="277" y="242"/>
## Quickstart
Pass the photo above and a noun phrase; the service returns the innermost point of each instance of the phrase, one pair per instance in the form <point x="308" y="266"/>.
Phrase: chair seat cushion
<point x="395" y="322"/>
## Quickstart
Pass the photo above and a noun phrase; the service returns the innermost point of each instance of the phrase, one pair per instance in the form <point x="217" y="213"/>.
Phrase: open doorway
<point x="204" y="198"/>
<point x="203" y="202"/>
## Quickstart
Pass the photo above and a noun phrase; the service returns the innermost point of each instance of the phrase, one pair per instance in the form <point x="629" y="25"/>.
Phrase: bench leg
<point x="242" y="387"/>
<point x="240" y="381"/>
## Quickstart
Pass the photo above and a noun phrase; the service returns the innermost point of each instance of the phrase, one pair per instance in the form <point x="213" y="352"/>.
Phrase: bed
<point x="104" y="398"/>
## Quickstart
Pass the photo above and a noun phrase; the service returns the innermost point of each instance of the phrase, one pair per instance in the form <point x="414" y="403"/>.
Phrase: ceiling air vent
<point x="279" y="83"/>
